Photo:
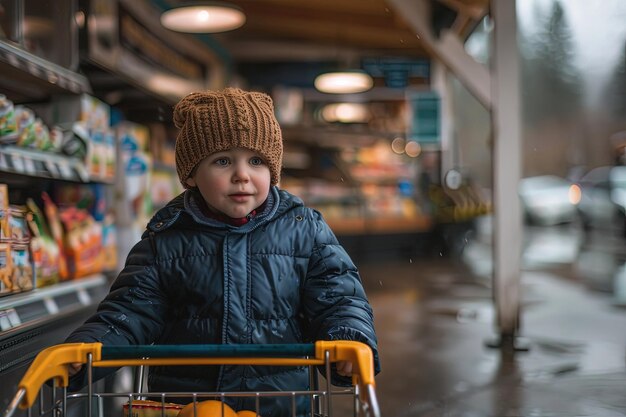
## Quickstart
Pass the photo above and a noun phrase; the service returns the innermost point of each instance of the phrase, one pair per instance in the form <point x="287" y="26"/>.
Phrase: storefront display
<point x="363" y="190"/>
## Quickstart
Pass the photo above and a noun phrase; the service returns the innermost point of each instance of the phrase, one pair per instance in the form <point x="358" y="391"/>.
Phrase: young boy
<point x="233" y="260"/>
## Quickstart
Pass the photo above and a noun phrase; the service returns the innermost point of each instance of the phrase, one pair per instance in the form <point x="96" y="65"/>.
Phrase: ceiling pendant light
<point x="344" y="82"/>
<point x="203" y="17"/>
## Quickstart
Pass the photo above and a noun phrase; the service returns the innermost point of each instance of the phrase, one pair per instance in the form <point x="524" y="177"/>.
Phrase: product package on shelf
<point x="8" y="125"/>
<point x="5" y="233"/>
<point x="100" y="159"/>
<point x="79" y="237"/>
<point x="133" y="206"/>
<point x="83" y="123"/>
<point x="109" y="243"/>
<point x="164" y="186"/>
<point x="16" y="269"/>
<point x="45" y="251"/>
<point x="56" y="231"/>
<point x="33" y="133"/>
<point x="93" y="198"/>
<point x="96" y="117"/>
<point x="134" y="173"/>
<point x="164" y="182"/>
<point x="82" y="242"/>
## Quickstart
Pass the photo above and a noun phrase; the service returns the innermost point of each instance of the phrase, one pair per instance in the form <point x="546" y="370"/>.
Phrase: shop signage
<point x="425" y="121"/>
<point x="398" y="72"/>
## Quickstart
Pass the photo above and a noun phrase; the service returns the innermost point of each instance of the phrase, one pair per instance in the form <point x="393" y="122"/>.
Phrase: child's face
<point x="232" y="182"/>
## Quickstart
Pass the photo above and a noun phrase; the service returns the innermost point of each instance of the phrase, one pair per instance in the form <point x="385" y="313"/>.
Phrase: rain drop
<point x="440" y="254"/>
<point x="380" y="282"/>
<point x="411" y="260"/>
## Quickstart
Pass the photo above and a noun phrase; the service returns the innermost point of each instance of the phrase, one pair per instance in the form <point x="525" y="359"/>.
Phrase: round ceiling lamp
<point x="344" y="82"/>
<point x="346" y="113"/>
<point x="203" y="17"/>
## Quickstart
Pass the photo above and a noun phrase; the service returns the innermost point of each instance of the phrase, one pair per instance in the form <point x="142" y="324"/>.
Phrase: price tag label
<point x="65" y="170"/>
<point x="5" y="324"/>
<point x="83" y="297"/>
<point x="18" y="163"/>
<point x="14" y="319"/>
<point x="29" y="166"/>
<point x="14" y="61"/>
<point x="34" y="69"/>
<point x="82" y="172"/>
<point x="52" y="168"/>
<point x="51" y="305"/>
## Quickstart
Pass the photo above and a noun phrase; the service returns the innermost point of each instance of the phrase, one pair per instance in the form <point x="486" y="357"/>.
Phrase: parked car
<point x="603" y="199"/>
<point x="547" y="200"/>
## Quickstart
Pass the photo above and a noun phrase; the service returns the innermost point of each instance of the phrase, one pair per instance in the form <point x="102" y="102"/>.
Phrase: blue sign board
<point x="425" y="123"/>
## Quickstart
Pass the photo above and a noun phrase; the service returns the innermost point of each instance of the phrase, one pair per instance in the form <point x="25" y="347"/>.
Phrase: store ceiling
<point x="323" y="34"/>
<point x="289" y="42"/>
<point x="320" y="28"/>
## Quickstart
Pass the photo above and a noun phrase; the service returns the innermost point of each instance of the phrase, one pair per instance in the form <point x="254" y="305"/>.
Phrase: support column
<point x="448" y="49"/>
<point x="506" y="116"/>
<point x="440" y="82"/>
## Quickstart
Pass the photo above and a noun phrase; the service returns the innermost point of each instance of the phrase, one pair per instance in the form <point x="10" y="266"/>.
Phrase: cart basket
<point x="53" y="364"/>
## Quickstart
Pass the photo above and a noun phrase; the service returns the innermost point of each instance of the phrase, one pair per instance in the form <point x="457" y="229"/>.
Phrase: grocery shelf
<point x="28" y="76"/>
<point x="44" y="303"/>
<point x="44" y="165"/>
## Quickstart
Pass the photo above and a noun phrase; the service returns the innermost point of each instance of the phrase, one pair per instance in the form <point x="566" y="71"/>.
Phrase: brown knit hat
<point x="214" y="121"/>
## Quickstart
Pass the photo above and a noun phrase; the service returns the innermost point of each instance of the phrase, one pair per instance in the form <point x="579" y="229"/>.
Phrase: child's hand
<point x="344" y="368"/>
<point x="74" y="368"/>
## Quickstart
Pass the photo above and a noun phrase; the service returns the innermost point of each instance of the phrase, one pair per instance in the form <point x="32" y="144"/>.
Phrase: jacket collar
<point x="278" y="202"/>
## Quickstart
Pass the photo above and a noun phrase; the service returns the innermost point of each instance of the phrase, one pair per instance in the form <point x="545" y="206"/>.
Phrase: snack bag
<point x="5" y="233"/>
<point x="25" y="126"/>
<point x="82" y="242"/>
<point x="6" y="269"/>
<point x="8" y="125"/>
<point x="44" y="249"/>
<point x="23" y="274"/>
<point x="56" y="231"/>
<point x="145" y="408"/>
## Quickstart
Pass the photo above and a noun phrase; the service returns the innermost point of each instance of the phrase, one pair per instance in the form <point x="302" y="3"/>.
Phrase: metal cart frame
<point x="53" y="363"/>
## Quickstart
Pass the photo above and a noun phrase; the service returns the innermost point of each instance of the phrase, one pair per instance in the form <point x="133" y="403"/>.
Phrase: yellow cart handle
<point x="54" y="361"/>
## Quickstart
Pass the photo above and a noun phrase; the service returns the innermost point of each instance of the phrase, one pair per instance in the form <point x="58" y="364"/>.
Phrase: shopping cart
<point x="52" y="365"/>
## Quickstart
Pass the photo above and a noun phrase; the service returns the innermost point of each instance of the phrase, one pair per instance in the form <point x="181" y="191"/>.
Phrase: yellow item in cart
<point x="209" y="408"/>
<point x="247" y="413"/>
<point x="146" y="408"/>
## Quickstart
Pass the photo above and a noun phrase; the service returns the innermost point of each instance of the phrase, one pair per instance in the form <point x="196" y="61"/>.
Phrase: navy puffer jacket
<point x="280" y="278"/>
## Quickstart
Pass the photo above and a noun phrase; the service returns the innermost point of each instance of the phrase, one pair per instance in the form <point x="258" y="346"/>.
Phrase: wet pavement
<point x="434" y="318"/>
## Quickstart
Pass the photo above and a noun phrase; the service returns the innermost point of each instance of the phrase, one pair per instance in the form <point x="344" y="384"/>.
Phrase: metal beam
<point x="448" y="49"/>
